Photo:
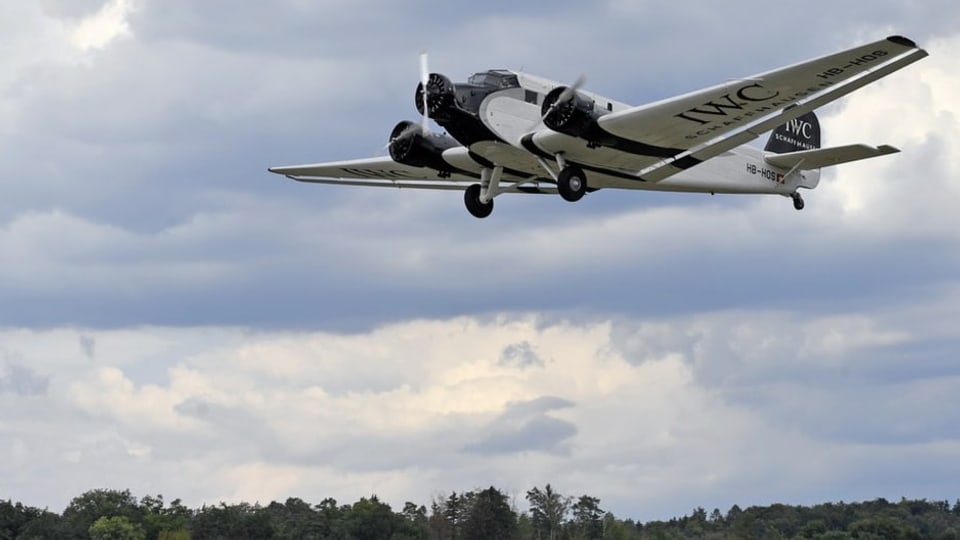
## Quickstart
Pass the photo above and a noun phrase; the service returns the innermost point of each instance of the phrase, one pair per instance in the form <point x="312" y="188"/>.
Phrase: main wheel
<point x="797" y="201"/>
<point x="572" y="183"/>
<point x="472" y="199"/>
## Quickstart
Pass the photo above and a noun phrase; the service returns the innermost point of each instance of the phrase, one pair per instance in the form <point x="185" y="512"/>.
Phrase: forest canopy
<point x="489" y="513"/>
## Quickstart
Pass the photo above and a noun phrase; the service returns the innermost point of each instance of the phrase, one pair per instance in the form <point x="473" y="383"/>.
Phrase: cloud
<point x="520" y="355"/>
<point x="110" y="22"/>
<point x="22" y="381"/>
<point x="715" y="404"/>
<point x="89" y="346"/>
<point x="525" y="427"/>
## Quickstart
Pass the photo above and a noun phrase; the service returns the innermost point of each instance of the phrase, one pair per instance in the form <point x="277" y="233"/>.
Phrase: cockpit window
<point x="494" y="78"/>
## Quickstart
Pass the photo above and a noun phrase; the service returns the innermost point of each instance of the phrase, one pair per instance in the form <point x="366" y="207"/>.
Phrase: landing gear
<point x="475" y="206"/>
<point x="797" y="200"/>
<point x="479" y="197"/>
<point x="572" y="183"/>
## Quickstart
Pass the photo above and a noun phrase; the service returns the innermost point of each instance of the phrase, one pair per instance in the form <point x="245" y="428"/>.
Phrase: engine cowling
<point x="576" y="115"/>
<point x="441" y="96"/>
<point x="409" y="146"/>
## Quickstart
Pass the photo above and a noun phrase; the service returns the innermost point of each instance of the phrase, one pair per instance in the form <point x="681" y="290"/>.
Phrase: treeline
<point x="486" y="514"/>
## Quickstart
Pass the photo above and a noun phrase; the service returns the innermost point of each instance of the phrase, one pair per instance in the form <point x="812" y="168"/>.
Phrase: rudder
<point x="801" y="133"/>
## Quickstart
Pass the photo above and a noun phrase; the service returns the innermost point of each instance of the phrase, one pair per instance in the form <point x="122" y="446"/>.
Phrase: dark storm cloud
<point x="526" y="427"/>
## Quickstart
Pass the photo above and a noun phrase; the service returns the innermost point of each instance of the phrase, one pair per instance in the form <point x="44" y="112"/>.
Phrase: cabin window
<point x="530" y="96"/>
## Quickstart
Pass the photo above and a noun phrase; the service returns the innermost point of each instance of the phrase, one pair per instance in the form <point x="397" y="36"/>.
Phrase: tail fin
<point x="802" y="133"/>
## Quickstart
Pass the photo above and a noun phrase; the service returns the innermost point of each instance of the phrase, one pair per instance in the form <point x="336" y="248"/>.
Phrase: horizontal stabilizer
<point x="806" y="160"/>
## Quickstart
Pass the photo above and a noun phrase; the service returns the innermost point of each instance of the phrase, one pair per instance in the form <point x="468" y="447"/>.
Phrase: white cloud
<point x="642" y="413"/>
<point x="99" y="29"/>
<point x="909" y="194"/>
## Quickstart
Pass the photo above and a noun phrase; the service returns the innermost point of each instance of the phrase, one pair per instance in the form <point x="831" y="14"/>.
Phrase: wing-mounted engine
<point x="569" y="112"/>
<point x="409" y="145"/>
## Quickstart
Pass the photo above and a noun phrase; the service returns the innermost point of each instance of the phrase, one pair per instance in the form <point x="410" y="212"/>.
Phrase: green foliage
<point x="587" y="522"/>
<point x="24" y="522"/>
<point x="470" y="515"/>
<point x="370" y="519"/>
<point x="239" y="521"/>
<point x="116" y="528"/>
<point x="548" y="509"/>
<point x="87" y="508"/>
<point x="490" y="517"/>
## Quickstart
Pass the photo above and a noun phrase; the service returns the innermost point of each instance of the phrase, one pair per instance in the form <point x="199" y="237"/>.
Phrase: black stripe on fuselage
<point x="684" y="163"/>
<point x="609" y="140"/>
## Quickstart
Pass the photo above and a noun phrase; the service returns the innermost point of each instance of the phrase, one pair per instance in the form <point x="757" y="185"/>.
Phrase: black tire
<point x="797" y="201"/>
<point x="471" y="197"/>
<point x="572" y="183"/>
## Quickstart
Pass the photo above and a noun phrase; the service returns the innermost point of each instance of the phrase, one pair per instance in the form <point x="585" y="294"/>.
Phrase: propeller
<point x="565" y="96"/>
<point x="402" y="134"/>
<point x="424" y="79"/>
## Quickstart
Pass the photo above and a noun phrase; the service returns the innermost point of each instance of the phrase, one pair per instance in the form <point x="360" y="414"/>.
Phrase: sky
<point x="176" y="320"/>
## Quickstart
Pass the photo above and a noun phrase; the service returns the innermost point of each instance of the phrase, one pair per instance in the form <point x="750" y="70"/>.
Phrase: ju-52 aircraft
<point x="512" y="132"/>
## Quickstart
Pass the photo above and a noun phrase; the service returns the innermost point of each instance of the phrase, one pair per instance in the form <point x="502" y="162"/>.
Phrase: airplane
<point x="513" y="132"/>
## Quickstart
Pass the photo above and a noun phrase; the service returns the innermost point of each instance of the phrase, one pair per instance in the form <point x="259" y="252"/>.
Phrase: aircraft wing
<point x="385" y="172"/>
<point x="663" y="138"/>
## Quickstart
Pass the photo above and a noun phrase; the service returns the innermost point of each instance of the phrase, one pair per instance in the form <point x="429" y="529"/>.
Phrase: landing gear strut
<point x="797" y="200"/>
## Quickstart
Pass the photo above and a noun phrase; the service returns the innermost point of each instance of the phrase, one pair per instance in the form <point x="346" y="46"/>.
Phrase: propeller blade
<point x="572" y="89"/>
<point x="424" y="79"/>
<point x="412" y="128"/>
<point x="564" y="96"/>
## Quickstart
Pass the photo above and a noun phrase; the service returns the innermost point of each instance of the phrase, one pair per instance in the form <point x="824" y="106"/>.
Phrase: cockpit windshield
<point x="496" y="78"/>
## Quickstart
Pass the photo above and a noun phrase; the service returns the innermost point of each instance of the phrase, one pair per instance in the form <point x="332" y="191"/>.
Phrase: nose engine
<point x="441" y="97"/>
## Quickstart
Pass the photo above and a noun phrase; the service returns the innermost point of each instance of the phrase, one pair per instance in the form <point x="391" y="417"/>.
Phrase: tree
<point x="46" y="526"/>
<point x="587" y="518"/>
<point x="12" y="518"/>
<point x="490" y="517"/>
<point x="548" y="509"/>
<point x="116" y="528"/>
<point x="164" y="523"/>
<point x="88" y="507"/>
<point x="296" y="518"/>
<point x="883" y="528"/>
<point x="370" y="519"/>
<point x="415" y="525"/>
<point x="238" y="521"/>
<point x="734" y="513"/>
<point x="448" y="514"/>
